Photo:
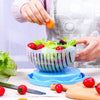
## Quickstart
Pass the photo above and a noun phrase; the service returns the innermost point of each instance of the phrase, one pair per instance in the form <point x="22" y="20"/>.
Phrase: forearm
<point x="16" y="9"/>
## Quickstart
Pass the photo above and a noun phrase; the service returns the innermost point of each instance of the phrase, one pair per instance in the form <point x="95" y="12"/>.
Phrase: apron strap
<point x="45" y="4"/>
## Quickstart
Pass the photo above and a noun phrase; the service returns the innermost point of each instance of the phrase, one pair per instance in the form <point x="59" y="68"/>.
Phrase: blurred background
<point x="15" y="36"/>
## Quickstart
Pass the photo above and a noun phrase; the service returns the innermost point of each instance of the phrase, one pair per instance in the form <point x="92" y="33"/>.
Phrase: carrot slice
<point x="22" y="99"/>
<point x="50" y="24"/>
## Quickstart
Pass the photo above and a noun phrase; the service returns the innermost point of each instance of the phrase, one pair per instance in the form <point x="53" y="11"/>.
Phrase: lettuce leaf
<point x="37" y="42"/>
<point x="7" y="65"/>
<point x="53" y="45"/>
<point x="70" y="43"/>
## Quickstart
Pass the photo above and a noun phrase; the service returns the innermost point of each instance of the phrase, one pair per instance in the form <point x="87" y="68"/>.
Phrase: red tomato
<point x="40" y="46"/>
<point x="58" y="88"/>
<point x="89" y="82"/>
<point x="98" y="88"/>
<point x="59" y="48"/>
<point x="32" y="45"/>
<point x="22" y="89"/>
<point x="2" y="91"/>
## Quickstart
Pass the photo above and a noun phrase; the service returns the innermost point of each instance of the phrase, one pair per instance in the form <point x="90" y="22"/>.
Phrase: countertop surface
<point x="22" y="78"/>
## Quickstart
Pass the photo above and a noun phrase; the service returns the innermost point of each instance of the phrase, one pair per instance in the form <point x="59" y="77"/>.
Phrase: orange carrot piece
<point x="22" y="99"/>
<point x="50" y="24"/>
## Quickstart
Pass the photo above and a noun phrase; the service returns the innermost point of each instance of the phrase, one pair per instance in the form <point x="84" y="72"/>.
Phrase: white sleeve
<point x="16" y="9"/>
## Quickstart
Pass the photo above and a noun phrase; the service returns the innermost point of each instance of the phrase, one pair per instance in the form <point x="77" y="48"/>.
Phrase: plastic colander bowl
<point x="51" y="60"/>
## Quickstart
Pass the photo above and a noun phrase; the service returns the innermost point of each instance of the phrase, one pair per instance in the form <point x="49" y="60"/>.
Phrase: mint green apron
<point x="74" y="19"/>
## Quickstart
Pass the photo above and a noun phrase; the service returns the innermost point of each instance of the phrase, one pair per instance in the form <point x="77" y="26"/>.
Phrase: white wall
<point x="14" y="36"/>
<point x="2" y="34"/>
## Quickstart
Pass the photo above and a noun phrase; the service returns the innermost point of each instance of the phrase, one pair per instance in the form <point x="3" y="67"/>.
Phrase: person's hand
<point x="91" y="52"/>
<point x="34" y="12"/>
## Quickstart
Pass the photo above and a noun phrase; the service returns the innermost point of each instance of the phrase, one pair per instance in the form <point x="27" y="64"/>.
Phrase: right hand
<point x="34" y="12"/>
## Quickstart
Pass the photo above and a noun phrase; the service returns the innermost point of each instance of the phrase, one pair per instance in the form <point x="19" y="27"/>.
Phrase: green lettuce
<point x="53" y="45"/>
<point x="37" y="42"/>
<point x="7" y="66"/>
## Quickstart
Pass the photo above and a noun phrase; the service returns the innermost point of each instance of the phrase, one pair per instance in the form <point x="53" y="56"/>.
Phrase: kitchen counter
<point x="22" y="78"/>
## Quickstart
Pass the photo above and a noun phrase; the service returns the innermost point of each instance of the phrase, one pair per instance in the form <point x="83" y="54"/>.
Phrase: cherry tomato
<point x="2" y="91"/>
<point x="98" y="88"/>
<point x="89" y="82"/>
<point x="58" y="88"/>
<point x="40" y="46"/>
<point x="22" y="89"/>
<point x="32" y="45"/>
<point x="59" y="48"/>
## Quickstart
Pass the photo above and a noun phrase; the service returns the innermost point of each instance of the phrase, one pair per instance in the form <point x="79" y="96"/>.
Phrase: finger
<point x="25" y="15"/>
<point x="29" y="13"/>
<point x="86" y="59"/>
<point x="87" y="50"/>
<point x="36" y="13"/>
<point x="89" y="58"/>
<point x="43" y="12"/>
<point x="83" y="58"/>
<point x="31" y="16"/>
<point x="81" y="40"/>
<point x="93" y="55"/>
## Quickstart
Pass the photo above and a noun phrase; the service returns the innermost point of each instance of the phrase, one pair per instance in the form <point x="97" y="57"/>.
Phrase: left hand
<point x="91" y="52"/>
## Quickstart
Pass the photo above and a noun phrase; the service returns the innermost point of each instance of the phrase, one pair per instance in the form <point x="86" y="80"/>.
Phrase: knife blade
<point x="11" y="86"/>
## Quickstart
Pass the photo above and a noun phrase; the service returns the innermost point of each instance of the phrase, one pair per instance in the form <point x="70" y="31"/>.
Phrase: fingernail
<point x="47" y="20"/>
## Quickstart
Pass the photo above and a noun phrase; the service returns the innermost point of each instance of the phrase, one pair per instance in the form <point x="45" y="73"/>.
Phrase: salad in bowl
<point x="51" y="56"/>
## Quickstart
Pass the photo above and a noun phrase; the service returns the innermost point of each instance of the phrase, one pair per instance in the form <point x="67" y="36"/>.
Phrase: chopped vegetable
<point x="59" y="48"/>
<point x="53" y="45"/>
<point x="62" y="42"/>
<point x="2" y="91"/>
<point x="32" y="45"/>
<point x="98" y="88"/>
<point x="89" y="82"/>
<point x="58" y="88"/>
<point x="37" y="42"/>
<point x="22" y="99"/>
<point x="40" y="46"/>
<point x="50" y="24"/>
<point x="22" y="89"/>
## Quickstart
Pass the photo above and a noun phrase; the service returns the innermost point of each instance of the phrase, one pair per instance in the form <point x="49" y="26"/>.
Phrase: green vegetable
<point x="37" y="42"/>
<point x="53" y="45"/>
<point x="7" y="65"/>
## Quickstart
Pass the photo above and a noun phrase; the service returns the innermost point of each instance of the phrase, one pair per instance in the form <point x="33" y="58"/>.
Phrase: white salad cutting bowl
<point x="51" y="60"/>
